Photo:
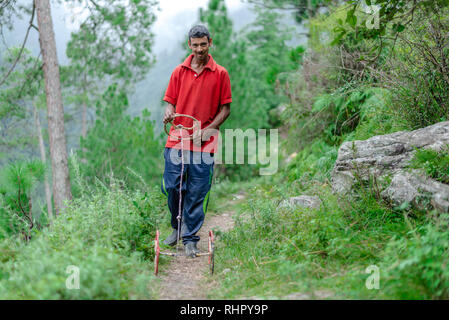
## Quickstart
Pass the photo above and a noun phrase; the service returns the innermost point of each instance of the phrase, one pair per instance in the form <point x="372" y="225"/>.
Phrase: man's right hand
<point x="169" y="113"/>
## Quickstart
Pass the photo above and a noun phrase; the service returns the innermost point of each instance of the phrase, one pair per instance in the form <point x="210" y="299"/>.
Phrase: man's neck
<point x="200" y="63"/>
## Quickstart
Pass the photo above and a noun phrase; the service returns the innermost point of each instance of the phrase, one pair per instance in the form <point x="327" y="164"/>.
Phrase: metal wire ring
<point x="180" y="126"/>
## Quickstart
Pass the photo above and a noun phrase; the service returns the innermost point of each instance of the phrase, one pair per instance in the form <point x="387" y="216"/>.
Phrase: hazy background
<point x="174" y="19"/>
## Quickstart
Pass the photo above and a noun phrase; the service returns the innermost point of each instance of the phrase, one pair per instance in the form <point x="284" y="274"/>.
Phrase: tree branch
<point x="23" y="211"/>
<point x="22" y="48"/>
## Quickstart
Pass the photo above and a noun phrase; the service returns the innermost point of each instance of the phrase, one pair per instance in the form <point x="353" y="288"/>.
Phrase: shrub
<point x="316" y="160"/>
<point x="108" y="235"/>
<point x="17" y="181"/>
<point x="376" y="116"/>
<point x="416" y="265"/>
<point x="416" y="72"/>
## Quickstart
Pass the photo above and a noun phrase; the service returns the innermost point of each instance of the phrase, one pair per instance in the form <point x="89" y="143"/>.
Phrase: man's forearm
<point x="169" y="112"/>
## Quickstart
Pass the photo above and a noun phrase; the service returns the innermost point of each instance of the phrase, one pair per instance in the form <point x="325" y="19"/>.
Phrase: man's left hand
<point x="202" y="135"/>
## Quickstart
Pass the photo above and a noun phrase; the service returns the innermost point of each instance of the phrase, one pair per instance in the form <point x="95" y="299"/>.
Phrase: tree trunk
<point x="84" y="111"/>
<point x="309" y="9"/>
<point x="84" y="128"/>
<point x="55" y="111"/>
<point x="84" y="120"/>
<point x="44" y="160"/>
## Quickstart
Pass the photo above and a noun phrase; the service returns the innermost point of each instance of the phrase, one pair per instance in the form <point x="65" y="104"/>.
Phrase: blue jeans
<point x="197" y="181"/>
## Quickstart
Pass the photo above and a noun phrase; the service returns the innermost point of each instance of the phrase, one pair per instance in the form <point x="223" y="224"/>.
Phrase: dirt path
<point x="184" y="278"/>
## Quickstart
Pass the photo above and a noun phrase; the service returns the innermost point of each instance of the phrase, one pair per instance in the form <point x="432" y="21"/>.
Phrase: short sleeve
<point x="225" y="89"/>
<point x="171" y="95"/>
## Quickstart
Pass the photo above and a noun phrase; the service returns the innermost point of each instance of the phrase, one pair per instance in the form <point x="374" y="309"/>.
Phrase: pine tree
<point x="118" y="145"/>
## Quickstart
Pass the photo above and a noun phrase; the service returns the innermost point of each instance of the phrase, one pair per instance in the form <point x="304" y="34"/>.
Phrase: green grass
<point x="272" y="252"/>
<point x="434" y="163"/>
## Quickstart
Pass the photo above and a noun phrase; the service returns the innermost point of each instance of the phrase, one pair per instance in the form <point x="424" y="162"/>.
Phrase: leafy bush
<point x="17" y="181"/>
<point x="332" y="91"/>
<point x="315" y="161"/>
<point x="417" y="73"/>
<point x="376" y="116"/>
<point x="108" y="235"/>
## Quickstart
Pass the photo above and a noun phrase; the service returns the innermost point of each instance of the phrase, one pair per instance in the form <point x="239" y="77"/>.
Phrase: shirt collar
<point x="210" y="64"/>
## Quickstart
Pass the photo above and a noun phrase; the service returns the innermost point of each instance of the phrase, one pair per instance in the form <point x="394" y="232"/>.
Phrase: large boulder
<point x="419" y="190"/>
<point x="386" y="157"/>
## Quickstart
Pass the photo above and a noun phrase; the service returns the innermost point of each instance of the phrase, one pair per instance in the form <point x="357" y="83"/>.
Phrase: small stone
<point x="303" y="201"/>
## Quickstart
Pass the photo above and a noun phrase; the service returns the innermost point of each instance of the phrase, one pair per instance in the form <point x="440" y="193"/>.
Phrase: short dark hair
<point x="199" y="31"/>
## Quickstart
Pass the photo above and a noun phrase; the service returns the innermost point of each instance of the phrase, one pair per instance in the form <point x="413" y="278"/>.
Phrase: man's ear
<point x="210" y="42"/>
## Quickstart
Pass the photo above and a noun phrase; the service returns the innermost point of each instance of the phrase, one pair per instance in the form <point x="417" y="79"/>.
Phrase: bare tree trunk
<point x="84" y="111"/>
<point x="84" y="120"/>
<point x="55" y="111"/>
<point x="309" y="9"/>
<point x="44" y="160"/>
<point x="84" y="128"/>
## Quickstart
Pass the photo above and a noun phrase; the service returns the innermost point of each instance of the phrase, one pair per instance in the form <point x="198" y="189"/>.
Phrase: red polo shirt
<point x="197" y="95"/>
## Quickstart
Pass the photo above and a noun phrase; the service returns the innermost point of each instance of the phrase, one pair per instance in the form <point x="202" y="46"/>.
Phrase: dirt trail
<point x="184" y="278"/>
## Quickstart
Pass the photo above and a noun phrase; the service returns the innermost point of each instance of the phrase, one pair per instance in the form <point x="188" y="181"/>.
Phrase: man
<point x="200" y="88"/>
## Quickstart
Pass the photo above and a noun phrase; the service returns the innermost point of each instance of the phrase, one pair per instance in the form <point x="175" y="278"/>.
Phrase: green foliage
<point x="341" y="115"/>
<point x="376" y="116"/>
<point x="415" y="265"/>
<point x="406" y="54"/>
<point x="315" y="160"/>
<point x="107" y="233"/>
<point x="120" y="146"/>
<point x="417" y="74"/>
<point x="373" y="19"/>
<point x="325" y="97"/>
<point x="302" y="9"/>
<point x="23" y="83"/>
<point x="115" y="40"/>
<point x="112" y="46"/>
<point x="17" y="181"/>
<point x="355" y="91"/>
<point x="434" y="163"/>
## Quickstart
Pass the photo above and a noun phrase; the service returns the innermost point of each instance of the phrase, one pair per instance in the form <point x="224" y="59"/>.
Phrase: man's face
<point x="200" y="47"/>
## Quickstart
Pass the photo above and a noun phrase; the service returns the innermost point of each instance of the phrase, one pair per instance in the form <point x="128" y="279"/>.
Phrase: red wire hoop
<point x="180" y="126"/>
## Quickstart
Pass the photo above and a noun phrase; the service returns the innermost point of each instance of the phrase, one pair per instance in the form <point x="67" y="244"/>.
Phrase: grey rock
<point x="388" y="156"/>
<point x="415" y="188"/>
